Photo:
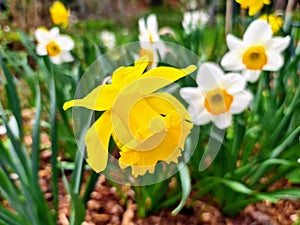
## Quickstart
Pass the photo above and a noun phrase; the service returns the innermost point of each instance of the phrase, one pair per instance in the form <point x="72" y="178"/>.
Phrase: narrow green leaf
<point x="53" y="138"/>
<point x="78" y="208"/>
<point x="185" y="185"/>
<point x="265" y="167"/>
<point x="14" y="101"/>
<point x="8" y="217"/>
<point x="35" y="154"/>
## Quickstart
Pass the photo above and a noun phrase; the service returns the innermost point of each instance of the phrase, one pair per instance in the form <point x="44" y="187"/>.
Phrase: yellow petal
<point x="99" y="99"/>
<point x="164" y="76"/>
<point x="97" y="140"/>
<point x="164" y="104"/>
<point x="59" y="14"/>
<point x="125" y="75"/>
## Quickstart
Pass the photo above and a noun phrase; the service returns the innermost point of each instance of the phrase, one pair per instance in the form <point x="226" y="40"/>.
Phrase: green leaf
<point x="7" y="217"/>
<point x="35" y="152"/>
<point x="12" y="95"/>
<point x="78" y="208"/>
<point x="186" y="187"/>
<point x="294" y="176"/>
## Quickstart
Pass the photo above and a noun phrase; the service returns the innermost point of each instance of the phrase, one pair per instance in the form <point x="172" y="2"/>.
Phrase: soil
<point x="105" y="207"/>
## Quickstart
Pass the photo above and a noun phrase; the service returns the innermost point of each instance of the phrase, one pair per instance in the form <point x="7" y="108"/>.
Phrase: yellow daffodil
<point x="147" y="127"/>
<point x="53" y="44"/>
<point x="256" y="52"/>
<point x="275" y="21"/>
<point x="254" y="6"/>
<point x="59" y="14"/>
<point x="217" y="96"/>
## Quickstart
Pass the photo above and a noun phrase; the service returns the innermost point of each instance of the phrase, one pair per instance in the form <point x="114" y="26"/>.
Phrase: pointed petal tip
<point x="190" y="69"/>
<point x="68" y="105"/>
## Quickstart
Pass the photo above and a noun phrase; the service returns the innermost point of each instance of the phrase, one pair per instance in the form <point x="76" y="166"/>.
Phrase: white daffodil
<point x="256" y="52"/>
<point x="217" y="96"/>
<point x="149" y="40"/>
<point x="53" y="44"/>
<point x="108" y="39"/>
<point x="148" y="29"/>
<point x="193" y="20"/>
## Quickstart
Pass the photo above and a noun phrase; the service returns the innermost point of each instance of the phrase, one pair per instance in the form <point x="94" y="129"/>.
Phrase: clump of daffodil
<point x="256" y="52"/>
<point x="254" y="6"/>
<point x="59" y="14"/>
<point x="52" y="43"/>
<point x="275" y="21"/>
<point x="217" y="96"/>
<point x="148" y="127"/>
<point x="193" y="20"/>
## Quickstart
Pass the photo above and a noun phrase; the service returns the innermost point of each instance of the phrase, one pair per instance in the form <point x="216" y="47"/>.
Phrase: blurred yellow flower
<point x="275" y="21"/>
<point x="254" y="6"/>
<point x="59" y="14"/>
<point x="147" y="127"/>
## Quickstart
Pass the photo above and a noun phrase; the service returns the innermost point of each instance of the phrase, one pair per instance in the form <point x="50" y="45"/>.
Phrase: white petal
<point x="233" y="42"/>
<point x="54" y="32"/>
<point x="42" y="35"/>
<point x="233" y="82"/>
<point x="199" y="115"/>
<point x="161" y="48"/>
<point x="41" y="49"/>
<point x="240" y="102"/>
<point x="190" y="93"/>
<point x="232" y="60"/>
<point x="152" y="23"/>
<point x="258" y="31"/>
<point x="251" y="75"/>
<point x="142" y="26"/>
<point x="56" y="59"/>
<point x="278" y="43"/>
<point x="2" y="130"/>
<point x="275" y="61"/>
<point x="223" y="120"/>
<point x="209" y="76"/>
<point x="65" y="42"/>
<point x="66" y="56"/>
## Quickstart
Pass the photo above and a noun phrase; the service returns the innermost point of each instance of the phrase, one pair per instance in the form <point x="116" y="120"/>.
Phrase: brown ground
<point x="105" y="207"/>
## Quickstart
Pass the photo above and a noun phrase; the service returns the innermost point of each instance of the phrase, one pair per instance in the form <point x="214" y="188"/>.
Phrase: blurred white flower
<point x="193" y="20"/>
<point x="256" y="52"/>
<point x="217" y="96"/>
<point x="148" y="29"/>
<point x="108" y="38"/>
<point x="150" y="41"/>
<point x="52" y="43"/>
<point x="6" y="28"/>
<point x="2" y="130"/>
<point x="298" y="160"/>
